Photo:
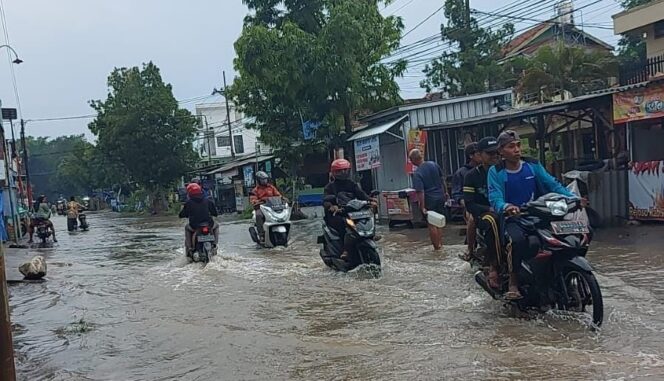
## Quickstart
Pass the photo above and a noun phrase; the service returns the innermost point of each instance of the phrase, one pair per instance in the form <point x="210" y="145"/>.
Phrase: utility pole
<point x="228" y="116"/>
<point x="468" y="15"/>
<point x="7" y="370"/>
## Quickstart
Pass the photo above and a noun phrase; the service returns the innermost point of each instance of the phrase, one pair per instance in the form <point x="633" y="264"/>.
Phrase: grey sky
<point x="70" y="47"/>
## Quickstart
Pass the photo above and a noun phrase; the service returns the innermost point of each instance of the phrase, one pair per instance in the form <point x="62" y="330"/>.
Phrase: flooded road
<point x="121" y="303"/>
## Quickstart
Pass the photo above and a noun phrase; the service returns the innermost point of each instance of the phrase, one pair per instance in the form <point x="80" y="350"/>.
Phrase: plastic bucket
<point x="436" y="219"/>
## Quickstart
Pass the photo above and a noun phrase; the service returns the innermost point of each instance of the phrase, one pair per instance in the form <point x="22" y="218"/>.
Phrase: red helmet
<point x="194" y="189"/>
<point x="340" y="165"/>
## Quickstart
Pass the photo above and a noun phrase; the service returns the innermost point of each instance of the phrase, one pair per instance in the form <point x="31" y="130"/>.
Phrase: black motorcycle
<point x="204" y="244"/>
<point x="83" y="222"/>
<point x="360" y="224"/>
<point x="43" y="232"/>
<point x="559" y="276"/>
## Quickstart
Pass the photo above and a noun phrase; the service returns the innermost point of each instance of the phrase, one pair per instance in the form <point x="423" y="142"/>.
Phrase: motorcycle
<point x="43" y="231"/>
<point x="204" y="244"/>
<point x="276" y="229"/>
<point x="83" y="222"/>
<point x="559" y="276"/>
<point x="360" y="224"/>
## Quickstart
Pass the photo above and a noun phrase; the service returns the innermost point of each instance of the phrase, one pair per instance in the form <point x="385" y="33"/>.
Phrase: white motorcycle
<point x="277" y="223"/>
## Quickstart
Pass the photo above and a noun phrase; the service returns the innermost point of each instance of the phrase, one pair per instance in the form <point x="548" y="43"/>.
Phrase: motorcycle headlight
<point x="557" y="208"/>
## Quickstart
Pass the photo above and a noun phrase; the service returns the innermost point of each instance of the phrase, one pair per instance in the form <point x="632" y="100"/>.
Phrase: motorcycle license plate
<point x="359" y="215"/>
<point x="569" y="227"/>
<point x="205" y="238"/>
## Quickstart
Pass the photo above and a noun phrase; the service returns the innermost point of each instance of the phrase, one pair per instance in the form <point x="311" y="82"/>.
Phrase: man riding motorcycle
<point x="513" y="183"/>
<point x="476" y="200"/>
<point x="199" y="210"/>
<point x="258" y="195"/>
<point x="42" y="216"/>
<point x="337" y="194"/>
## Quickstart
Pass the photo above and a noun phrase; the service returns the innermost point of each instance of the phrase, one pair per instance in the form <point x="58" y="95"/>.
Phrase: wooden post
<point x="7" y="370"/>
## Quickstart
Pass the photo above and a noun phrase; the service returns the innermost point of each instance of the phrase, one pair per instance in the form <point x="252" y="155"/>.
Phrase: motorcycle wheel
<point x="583" y="291"/>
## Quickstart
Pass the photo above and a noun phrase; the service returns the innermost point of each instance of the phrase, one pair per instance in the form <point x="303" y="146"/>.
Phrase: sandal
<point x="466" y="257"/>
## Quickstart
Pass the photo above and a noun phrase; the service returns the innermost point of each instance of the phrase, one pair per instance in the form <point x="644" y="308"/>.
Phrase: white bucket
<point x="436" y="219"/>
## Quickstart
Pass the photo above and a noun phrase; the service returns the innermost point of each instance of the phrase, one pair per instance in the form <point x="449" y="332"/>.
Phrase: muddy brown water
<point x="120" y="303"/>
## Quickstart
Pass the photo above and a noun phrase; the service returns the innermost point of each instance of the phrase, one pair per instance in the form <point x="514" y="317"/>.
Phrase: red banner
<point x="416" y="139"/>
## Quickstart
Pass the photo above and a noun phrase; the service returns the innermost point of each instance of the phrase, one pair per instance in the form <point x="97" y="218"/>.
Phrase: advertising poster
<point x="248" y="171"/>
<point x="367" y="153"/>
<point x="646" y="191"/>
<point x="638" y="104"/>
<point x="396" y="205"/>
<point x="416" y="139"/>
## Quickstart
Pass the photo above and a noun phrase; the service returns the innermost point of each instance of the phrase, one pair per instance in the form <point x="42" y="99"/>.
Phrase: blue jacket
<point x="545" y="183"/>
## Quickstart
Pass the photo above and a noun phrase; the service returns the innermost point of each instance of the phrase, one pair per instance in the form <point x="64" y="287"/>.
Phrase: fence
<point x="641" y="71"/>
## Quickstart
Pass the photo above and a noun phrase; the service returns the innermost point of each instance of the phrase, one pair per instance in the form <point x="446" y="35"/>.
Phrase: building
<point x="214" y="143"/>
<point x="647" y="21"/>
<point x="560" y="29"/>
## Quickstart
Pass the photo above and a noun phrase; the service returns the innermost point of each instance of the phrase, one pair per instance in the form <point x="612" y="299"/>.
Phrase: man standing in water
<point x="428" y="181"/>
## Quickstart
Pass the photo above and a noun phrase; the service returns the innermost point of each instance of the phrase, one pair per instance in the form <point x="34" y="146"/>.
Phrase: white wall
<point x="214" y="116"/>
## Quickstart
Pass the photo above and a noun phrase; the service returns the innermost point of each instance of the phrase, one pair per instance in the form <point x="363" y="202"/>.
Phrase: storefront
<point x="639" y="110"/>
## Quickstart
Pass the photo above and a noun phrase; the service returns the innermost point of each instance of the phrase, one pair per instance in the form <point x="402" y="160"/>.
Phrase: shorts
<point x="437" y="206"/>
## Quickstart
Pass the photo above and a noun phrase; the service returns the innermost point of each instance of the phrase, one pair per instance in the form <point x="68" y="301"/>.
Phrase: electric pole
<point x="228" y="116"/>
<point x="224" y="92"/>
<point x="25" y="164"/>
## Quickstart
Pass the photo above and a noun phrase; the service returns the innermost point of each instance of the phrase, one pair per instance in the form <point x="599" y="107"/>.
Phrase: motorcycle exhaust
<point x="480" y="278"/>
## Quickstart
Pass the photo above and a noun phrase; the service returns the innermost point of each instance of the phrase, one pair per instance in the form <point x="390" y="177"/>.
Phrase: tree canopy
<point x="141" y="130"/>
<point x="320" y="60"/>
<point x="471" y="64"/>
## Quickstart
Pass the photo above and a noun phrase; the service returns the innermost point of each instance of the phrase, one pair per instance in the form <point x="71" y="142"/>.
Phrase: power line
<point x="423" y="21"/>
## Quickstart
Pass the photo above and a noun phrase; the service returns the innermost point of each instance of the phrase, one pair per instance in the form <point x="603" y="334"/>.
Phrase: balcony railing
<point x="641" y="71"/>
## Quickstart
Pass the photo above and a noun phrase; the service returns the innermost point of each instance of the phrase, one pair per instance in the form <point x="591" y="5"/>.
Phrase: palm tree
<point x="559" y="68"/>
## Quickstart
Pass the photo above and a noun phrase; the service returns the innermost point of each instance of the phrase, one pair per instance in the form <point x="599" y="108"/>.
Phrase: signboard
<point x="248" y="171"/>
<point x="9" y="114"/>
<point x="367" y="153"/>
<point x="396" y="205"/>
<point x="646" y="191"/>
<point x="416" y="139"/>
<point x="239" y="196"/>
<point x="638" y="104"/>
<point x="309" y="129"/>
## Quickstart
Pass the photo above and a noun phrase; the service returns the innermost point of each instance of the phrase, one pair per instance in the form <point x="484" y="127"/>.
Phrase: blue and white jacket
<point x="545" y="183"/>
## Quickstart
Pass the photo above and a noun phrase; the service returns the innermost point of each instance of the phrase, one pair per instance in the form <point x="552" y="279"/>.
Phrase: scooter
<point x="559" y="276"/>
<point x="43" y="232"/>
<point x="204" y="244"/>
<point x="360" y="224"/>
<point x="277" y="224"/>
<point x="83" y="222"/>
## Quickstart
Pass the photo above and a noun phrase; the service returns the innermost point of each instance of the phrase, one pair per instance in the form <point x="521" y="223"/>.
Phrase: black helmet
<point x="262" y="177"/>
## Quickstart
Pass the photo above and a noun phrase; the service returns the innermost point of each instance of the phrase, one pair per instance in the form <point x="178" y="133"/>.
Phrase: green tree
<point x="632" y="48"/>
<point x="45" y="155"/>
<point x="471" y="64"/>
<point x="561" y="67"/>
<point x="141" y="129"/>
<point x="317" y="60"/>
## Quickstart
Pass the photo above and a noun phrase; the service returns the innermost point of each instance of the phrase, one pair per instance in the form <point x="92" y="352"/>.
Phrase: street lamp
<point x="17" y="61"/>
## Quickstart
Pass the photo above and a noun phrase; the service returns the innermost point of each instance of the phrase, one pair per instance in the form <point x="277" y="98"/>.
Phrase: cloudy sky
<point x="70" y="46"/>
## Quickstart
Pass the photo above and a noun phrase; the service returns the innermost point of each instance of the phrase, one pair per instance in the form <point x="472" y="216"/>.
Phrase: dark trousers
<point x="338" y="223"/>
<point x="489" y="227"/>
<point x="518" y="248"/>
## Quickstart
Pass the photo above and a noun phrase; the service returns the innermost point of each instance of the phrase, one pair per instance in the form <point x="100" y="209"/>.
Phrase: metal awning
<point x="517" y="113"/>
<point x="238" y="163"/>
<point x="378" y="129"/>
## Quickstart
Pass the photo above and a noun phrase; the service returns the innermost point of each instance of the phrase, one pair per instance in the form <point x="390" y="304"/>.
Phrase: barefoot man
<point x="428" y="181"/>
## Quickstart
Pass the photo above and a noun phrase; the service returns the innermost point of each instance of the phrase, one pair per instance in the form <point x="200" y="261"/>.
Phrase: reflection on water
<point x="121" y="303"/>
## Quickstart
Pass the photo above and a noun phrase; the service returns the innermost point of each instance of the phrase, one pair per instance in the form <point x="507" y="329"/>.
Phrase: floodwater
<point x="120" y="303"/>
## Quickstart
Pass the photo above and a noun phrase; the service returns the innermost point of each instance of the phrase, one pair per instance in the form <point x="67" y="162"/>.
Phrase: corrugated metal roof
<point x="517" y="113"/>
<point x="238" y="163"/>
<point x="377" y="130"/>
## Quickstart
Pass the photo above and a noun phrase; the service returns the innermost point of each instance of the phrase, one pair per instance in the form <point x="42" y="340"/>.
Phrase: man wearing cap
<point x="476" y="197"/>
<point x="514" y="182"/>
<point x="428" y="181"/>
<point x="472" y="161"/>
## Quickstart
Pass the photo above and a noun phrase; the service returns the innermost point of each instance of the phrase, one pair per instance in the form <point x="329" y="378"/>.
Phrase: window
<point x="659" y="29"/>
<point x="238" y="143"/>
<point x="223" y="141"/>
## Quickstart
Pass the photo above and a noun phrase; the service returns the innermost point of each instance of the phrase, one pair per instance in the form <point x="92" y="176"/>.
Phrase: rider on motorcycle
<point x="199" y="210"/>
<point x="258" y="195"/>
<point x="513" y="183"/>
<point x="337" y="194"/>
<point x="42" y="216"/>
<point x="476" y="200"/>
